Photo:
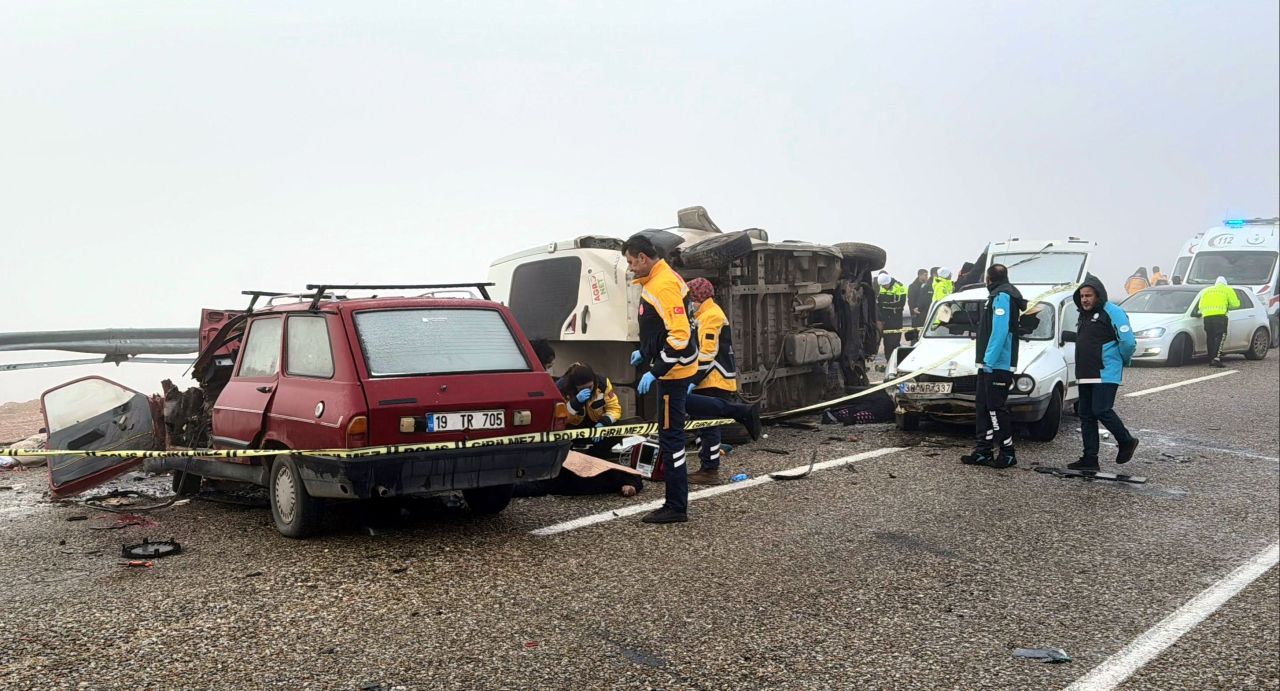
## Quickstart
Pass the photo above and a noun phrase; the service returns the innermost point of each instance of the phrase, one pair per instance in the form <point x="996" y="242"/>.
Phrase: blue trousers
<point x="709" y="404"/>
<point x="671" y="416"/>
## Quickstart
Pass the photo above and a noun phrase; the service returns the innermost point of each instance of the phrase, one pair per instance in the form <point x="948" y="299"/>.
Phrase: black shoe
<point x="1217" y="363"/>
<point x="665" y="515"/>
<point x="752" y="423"/>
<point x="976" y="458"/>
<point x="1089" y="464"/>
<point x="1007" y="459"/>
<point x="1126" y="450"/>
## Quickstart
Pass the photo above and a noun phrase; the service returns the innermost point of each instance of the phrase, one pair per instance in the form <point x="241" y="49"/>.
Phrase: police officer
<point x="942" y="285"/>
<point x="890" y="301"/>
<point x="1215" y="302"/>
<point x="669" y="349"/>
<point x="997" y="358"/>
<point x="712" y="393"/>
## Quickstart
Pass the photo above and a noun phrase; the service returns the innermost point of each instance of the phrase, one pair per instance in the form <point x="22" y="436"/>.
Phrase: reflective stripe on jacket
<point x="1217" y="300"/>
<point x="667" y="338"/>
<point x="717" y="368"/>
<point x="942" y="287"/>
<point x="603" y="406"/>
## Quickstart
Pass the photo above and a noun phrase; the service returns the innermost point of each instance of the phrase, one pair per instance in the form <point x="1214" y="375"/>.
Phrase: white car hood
<point x="1150" y="320"/>
<point x="935" y="351"/>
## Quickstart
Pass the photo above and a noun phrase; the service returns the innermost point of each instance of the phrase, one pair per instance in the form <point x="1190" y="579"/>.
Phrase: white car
<point x="1044" y="381"/>
<point x="1170" y="331"/>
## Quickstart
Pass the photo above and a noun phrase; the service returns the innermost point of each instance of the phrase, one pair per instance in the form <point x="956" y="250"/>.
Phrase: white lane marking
<point x="634" y="509"/>
<point x="1115" y="669"/>
<point x="1166" y="387"/>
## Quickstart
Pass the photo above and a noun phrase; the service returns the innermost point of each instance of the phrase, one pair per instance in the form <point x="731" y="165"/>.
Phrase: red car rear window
<point x="399" y="343"/>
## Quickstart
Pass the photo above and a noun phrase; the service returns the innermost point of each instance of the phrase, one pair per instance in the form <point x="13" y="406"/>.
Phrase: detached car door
<point x="241" y="409"/>
<point x="95" y="414"/>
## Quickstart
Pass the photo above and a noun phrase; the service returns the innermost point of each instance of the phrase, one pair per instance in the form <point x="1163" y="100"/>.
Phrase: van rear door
<point x="97" y="414"/>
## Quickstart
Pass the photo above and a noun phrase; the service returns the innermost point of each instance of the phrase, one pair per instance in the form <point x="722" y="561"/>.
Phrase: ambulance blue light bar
<point x="1234" y="223"/>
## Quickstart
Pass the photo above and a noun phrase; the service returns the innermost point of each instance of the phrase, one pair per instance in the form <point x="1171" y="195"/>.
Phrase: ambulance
<point x="1247" y="253"/>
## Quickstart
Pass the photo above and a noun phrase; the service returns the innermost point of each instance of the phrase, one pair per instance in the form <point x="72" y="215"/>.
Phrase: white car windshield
<point x="961" y="319"/>
<point x="1239" y="268"/>
<point x="1160" y="301"/>
<point x="1048" y="268"/>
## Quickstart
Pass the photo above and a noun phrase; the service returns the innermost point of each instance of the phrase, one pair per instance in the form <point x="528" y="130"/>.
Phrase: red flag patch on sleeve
<point x="678" y="310"/>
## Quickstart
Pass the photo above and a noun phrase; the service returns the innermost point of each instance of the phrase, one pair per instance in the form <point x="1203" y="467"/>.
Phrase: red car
<point x="317" y="372"/>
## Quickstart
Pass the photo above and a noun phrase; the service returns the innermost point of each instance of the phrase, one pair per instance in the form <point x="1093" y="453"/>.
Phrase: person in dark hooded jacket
<point x="1104" y="347"/>
<point x="997" y="358"/>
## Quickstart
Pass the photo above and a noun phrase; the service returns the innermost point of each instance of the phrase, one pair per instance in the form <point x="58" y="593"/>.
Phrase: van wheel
<point x="860" y="251"/>
<point x="488" y="500"/>
<point x="1180" y="351"/>
<point x="907" y="422"/>
<point x="296" y="513"/>
<point x="716" y="252"/>
<point x="1259" y="346"/>
<point x="1046" y="428"/>
<point x="185" y="483"/>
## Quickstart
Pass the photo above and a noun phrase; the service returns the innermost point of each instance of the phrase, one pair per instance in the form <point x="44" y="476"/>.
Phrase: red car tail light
<point x="358" y="432"/>
<point x="561" y="417"/>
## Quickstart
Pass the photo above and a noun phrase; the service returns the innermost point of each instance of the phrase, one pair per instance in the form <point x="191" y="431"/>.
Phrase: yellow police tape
<point x="641" y="429"/>
<point x="905" y="377"/>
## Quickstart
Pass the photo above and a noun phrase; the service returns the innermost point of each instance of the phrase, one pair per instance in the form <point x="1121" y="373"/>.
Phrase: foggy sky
<point x="160" y="157"/>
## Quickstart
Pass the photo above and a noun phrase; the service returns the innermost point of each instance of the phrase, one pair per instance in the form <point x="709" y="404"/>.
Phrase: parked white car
<point x="1170" y="331"/>
<point x="1044" y="380"/>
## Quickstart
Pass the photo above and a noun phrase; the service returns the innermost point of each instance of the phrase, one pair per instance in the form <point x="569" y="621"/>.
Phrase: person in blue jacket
<point x="997" y="359"/>
<point x="1104" y="347"/>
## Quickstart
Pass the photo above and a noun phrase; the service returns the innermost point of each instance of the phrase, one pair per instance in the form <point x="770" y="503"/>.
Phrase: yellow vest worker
<point x="1215" y="302"/>
<point x="666" y="335"/>
<point x="942" y="285"/>
<point x="716" y="366"/>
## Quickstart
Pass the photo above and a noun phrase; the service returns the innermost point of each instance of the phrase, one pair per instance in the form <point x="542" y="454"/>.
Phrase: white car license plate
<point x="471" y="419"/>
<point x="925" y="387"/>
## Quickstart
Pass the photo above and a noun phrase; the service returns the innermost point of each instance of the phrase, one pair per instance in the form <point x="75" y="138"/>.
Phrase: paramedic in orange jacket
<point x="669" y="350"/>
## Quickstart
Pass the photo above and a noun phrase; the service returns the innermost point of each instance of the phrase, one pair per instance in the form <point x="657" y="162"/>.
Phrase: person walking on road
<point x="919" y="296"/>
<point x="713" y="391"/>
<point x="1104" y="346"/>
<point x="997" y="358"/>
<point x="669" y="349"/>
<point x="1215" y="302"/>
<point x="890" y="303"/>
<point x="1138" y="281"/>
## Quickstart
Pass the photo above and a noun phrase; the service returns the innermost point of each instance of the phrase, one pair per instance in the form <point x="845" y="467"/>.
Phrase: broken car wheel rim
<point x="284" y="495"/>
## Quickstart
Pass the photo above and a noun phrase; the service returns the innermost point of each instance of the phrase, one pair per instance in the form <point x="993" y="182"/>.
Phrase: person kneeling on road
<point x="712" y="393"/>
<point x="592" y="402"/>
<point x="997" y="358"/>
<point x="1104" y="346"/>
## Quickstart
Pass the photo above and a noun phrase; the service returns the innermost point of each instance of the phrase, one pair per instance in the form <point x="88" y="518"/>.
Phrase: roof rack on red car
<point x="322" y="288"/>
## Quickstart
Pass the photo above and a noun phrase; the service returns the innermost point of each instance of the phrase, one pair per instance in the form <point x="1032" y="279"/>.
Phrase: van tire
<point x="1258" y="345"/>
<point x="907" y="422"/>
<point x="185" y="483"/>
<point x="1046" y="428"/>
<point x="874" y="257"/>
<point x="487" y="501"/>
<point x="296" y="513"/>
<point x="716" y="252"/>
